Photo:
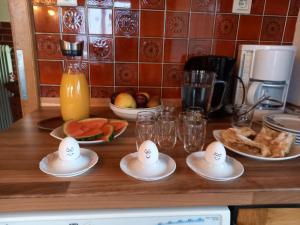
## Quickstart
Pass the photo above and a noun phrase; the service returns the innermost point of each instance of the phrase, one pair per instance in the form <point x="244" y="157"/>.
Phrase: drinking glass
<point x="194" y="132"/>
<point x="166" y="131"/>
<point x="241" y="116"/>
<point x="182" y="117"/>
<point x="145" y="127"/>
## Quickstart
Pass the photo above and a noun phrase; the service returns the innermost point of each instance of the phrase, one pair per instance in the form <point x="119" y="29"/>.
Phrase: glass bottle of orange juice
<point x="74" y="89"/>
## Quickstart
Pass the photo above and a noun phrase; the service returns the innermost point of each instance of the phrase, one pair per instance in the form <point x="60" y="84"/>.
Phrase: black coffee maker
<point x="223" y="67"/>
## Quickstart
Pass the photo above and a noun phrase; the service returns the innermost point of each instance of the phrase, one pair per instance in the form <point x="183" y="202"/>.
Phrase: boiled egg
<point x="215" y="153"/>
<point x="68" y="149"/>
<point x="148" y="153"/>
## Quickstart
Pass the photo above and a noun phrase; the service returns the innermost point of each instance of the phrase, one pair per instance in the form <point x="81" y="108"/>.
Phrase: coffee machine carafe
<point x="265" y="71"/>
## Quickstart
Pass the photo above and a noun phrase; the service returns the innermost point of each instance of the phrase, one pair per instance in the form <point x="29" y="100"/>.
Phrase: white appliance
<point x="265" y="70"/>
<point x="161" y="216"/>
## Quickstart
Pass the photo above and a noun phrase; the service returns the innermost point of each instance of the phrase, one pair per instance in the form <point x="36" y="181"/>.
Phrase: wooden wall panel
<point x="21" y="22"/>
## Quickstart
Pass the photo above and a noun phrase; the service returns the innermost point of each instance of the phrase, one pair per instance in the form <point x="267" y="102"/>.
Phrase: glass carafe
<point x="74" y="89"/>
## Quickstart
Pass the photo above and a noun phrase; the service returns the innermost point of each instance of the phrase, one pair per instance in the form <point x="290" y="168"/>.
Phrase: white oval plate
<point x="131" y="166"/>
<point x="45" y="166"/>
<point x="294" y="153"/>
<point x="58" y="133"/>
<point x="286" y="122"/>
<point x="194" y="162"/>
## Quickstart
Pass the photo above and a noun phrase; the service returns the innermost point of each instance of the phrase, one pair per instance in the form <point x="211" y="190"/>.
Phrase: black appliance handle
<point x="212" y="109"/>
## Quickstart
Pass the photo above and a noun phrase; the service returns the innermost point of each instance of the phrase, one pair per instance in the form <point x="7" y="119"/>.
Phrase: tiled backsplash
<point x="144" y="44"/>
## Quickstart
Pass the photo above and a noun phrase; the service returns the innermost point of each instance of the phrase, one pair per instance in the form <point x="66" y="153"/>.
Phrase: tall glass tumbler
<point x="145" y="127"/>
<point x="194" y="133"/>
<point x="166" y="131"/>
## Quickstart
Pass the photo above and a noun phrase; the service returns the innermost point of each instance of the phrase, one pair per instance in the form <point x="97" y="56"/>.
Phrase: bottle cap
<point x="71" y="48"/>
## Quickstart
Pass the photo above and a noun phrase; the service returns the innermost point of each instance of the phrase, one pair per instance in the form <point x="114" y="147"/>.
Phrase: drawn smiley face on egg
<point x="148" y="153"/>
<point x="68" y="149"/>
<point x="215" y="153"/>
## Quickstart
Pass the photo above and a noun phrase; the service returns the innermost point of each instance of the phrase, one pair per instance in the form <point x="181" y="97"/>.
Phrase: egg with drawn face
<point x="68" y="149"/>
<point x="148" y="153"/>
<point x="215" y="153"/>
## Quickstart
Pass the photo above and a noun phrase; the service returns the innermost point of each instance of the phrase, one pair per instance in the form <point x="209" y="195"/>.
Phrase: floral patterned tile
<point x="100" y="3"/>
<point x="198" y="47"/>
<point x="73" y="20"/>
<point x="203" y="5"/>
<point x="100" y="48"/>
<point x="48" y="46"/>
<point x="49" y="91"/>
<point x="101" y="92"/>
<point x="177" y="24"/>
<point x="126" y="74"/>
<point x="173" y="75"/>
<point x="151" y="49"/>
<point x="152" y="4"/>
<point x="126" y="22"/>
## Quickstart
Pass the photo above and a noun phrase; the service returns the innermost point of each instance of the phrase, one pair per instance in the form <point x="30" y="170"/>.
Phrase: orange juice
<point x="74" y="96"/>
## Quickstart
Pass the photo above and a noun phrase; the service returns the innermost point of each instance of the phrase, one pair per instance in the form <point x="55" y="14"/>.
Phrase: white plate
<point x="197" y="163"/>
<point x="58" y="133"/>
<point x="294" y="152"/>
<point x="164" y="167"/>
<point x="286" y="122"/>
<point x="91" y="158"/>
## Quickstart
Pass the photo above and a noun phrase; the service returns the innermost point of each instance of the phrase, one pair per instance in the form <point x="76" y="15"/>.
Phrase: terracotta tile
<point x="272" y="29"/>
<point x="239" y="43"/>
<point x="126" y="74"/>
<point x="290" y="29"/>
<point x="100" y="48"/>
<point x="203" y="6"/>
<point x="249" y="28"/>
<point x="126" y="4"/>
<point x="48" y="46"/>
<point x="102" y="74"/>
<point x="50" y="72"/>
<point x="199" y="47"/>
<point x="152" y="23"/>
<point x="151" y="49"/>
<point x="49" y="91"/>
<point x="100" y="3"/>
<point x="128" y="88"/>
<point x="257" y="7"/>
<point x="205" y="21"/>
<point x="100" y="21"/>
<point x="43" y="2"/>
<point x="74" y="38"/>
<point x="178" y="5"/>
<point x="126" y="49"/>
<point x="126" y="22"/>
<point x="151" y="91"/>
<point x="224" y="6"/>
<point x="223" y="48"/>
<point x="175" y="50"/>
<point x="177" y="24"/>
<point x="81" y="2"/>
<point x="73" y="20"/>
<point x="152" y="4"/>
<point x="270" y="43"/>
<point x="294" y="7"/>
<point x="150" y="74"/>
<point x="171" y="92"/>
<point x="226" y="26"/>
<point x="173" y="75"/>
<point x="276" y="7"/>
<point x="46" y="19"/>
<point x="101" y="92"/>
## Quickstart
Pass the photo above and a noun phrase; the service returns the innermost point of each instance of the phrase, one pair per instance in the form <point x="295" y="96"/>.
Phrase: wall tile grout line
<point x="262" y="22"/>
<point x="285" y="23"/>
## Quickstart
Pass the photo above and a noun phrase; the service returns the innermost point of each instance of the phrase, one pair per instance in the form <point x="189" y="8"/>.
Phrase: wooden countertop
<point x="24" y="187"/>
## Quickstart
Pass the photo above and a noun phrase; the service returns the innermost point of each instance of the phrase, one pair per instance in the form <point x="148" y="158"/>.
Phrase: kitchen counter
<point x="24" y="187"/>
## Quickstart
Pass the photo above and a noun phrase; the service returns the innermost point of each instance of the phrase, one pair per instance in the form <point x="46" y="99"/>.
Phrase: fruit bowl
<point x="131" y="113"/>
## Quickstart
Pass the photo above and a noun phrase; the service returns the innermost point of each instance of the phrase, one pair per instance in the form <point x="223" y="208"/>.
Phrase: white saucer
<point x="199" y="165"/>
<point x="52" y="165"/>
<point x="163" y="168"/>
